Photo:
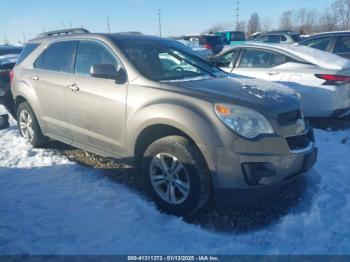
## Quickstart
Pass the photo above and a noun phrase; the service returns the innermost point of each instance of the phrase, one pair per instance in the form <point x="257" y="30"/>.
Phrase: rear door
<point x="96" y="106"/>
<point x="52" y="74"/>
<point x="253" y="62"/>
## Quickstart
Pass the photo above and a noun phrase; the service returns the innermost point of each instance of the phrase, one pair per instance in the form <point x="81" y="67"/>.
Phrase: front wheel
<point x="176" y="175"/>
<point x="28" y="126"/>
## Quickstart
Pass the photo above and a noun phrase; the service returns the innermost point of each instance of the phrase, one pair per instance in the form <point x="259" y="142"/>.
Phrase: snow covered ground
<point x="49" y="205"/>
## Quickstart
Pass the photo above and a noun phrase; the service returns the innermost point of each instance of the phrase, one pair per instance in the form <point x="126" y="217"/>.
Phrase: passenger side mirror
<point x="108" y="71"/>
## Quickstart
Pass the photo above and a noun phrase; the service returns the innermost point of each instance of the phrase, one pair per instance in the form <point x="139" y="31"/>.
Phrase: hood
<point x="268" y="98"/>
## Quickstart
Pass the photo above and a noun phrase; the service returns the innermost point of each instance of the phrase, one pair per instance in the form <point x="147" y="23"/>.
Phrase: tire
<point x="36" y="137"/>
<point x="184" y="163"/>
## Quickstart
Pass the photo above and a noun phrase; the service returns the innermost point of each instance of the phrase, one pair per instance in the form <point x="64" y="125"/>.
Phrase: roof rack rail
<point x="64" y="32"/>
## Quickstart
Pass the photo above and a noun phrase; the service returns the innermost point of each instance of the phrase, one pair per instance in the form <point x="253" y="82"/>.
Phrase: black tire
<point x="38" y="139"/>
<point x="196" y="169"/>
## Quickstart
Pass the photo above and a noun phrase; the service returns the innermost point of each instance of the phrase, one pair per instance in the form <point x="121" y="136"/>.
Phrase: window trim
<point x="75" y="56"/>
<point x="329" y="47"/>
<point x="332" y="48"/>
<point x="243" y="50"/>
<point x="103" y="45"/>
<point x="44" y="52"/>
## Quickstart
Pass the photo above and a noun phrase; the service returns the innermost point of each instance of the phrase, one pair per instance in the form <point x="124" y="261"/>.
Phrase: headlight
<point x="243" y="121"/>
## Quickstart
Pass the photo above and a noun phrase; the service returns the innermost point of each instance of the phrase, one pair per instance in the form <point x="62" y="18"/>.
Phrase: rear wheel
<point x="28" y="126"/>
<point x="176" y="175"/>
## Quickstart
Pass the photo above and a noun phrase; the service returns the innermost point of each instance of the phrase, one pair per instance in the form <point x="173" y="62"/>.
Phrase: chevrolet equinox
<point x="190" y="129"/>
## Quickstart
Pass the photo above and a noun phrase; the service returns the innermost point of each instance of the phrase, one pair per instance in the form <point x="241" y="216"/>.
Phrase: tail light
<point x="334" y="79"/>
<point x="208" y="46"/>
<point x="11" y="76"/>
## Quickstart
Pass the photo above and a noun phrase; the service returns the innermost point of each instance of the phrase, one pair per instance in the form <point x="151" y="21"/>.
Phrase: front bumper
<point x="244" y="177"/>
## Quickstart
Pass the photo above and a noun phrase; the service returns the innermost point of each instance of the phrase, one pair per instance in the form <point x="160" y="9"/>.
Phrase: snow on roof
<point x="317" y="57"/>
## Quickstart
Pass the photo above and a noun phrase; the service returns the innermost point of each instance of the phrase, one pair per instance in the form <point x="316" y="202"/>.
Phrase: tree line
<point x="303" y="20"/>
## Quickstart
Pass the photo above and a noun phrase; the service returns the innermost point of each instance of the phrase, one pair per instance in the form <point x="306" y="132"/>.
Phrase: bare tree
<point x="286" y="20"/>
<point x="254" y="23"/>
<point x="266" y="24"/>
<point x="328" y="21"/>
<point x="241" y="26"/>
<point x="342" y="10"/>
<point x="305" y="21"/>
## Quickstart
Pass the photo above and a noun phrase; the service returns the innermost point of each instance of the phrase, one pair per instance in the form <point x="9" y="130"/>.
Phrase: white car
<point x="322" y="79"/>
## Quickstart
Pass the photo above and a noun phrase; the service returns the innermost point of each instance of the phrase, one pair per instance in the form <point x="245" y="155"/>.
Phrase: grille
<point x="288" y="118"/>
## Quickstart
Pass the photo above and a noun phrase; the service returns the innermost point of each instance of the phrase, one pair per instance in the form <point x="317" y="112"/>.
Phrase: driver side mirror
<point x="108" y="71"/>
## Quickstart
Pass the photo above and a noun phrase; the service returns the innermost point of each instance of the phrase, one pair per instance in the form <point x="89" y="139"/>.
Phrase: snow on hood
<point x="262" y="85"/>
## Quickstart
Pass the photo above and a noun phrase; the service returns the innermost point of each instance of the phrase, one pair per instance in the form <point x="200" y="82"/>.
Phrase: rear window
<point x="58" y="57"/>
<point x="216" y="40"/>
<point x="10" y="50"/>
<point x="27" y="50"/>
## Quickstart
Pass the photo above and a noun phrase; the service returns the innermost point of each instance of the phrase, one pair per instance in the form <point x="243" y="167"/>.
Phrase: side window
<point x="283" y="38"/>
<point x="318" y="43"/>
<point x="58" y="57"/>
<point x="278" y="59"/>
<point x="92" y="53"/>
<point x="342" y="45"/>
<point x="274" y="39"/>
<point x="226" y="59"/>
<point x="255" y="58"/>
<point x="28" y="49"/>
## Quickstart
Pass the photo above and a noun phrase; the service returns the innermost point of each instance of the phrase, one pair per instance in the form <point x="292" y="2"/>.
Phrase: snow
<point x="317" y="57"/>
<point x="50" y="205"/>
<point x="5" y="59"/>
<point x="262" y="85"/>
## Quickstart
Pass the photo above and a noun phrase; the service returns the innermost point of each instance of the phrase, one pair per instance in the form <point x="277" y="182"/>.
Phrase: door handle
<point x="74" y="88"/>
<point x="36" y="78"/>
<point x="272" y="73"/>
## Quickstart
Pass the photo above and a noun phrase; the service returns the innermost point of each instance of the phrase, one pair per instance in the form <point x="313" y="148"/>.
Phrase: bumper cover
<point x="243" y="197"/>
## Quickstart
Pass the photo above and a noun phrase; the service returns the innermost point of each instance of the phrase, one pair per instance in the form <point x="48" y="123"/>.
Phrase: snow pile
<point x="49" y="205"/>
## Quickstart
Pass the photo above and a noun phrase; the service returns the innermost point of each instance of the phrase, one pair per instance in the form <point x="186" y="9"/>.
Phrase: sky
<point x="24" y="19"/>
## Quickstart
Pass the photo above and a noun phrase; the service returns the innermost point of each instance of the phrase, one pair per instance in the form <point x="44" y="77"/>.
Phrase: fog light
<point x="254" y="172"/>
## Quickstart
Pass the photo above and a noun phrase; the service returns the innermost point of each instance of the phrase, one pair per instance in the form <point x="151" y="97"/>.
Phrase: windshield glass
<point x="163" y="60"/>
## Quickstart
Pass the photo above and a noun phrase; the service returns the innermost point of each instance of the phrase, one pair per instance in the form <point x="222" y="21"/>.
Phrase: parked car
<point x="253" y="36"/>
<point x="279" y="37"/>
<point x="333" y="42"/>
<point x="190" y="129"/>
<point x="321" y="78"/>
<point x="201" y="51"/>
<point x="211" y="42"/>
<point x="8" y="57"/>
<point x="10" y="49"/>
<point x="232" y="37"/>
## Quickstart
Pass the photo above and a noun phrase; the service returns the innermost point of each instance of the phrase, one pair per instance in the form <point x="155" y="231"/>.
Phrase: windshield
<point x="8" y="50"/>
<point x="163" y="60"/>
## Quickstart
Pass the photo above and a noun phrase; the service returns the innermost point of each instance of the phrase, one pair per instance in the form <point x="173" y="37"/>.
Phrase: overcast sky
<point x="19" y="18"/>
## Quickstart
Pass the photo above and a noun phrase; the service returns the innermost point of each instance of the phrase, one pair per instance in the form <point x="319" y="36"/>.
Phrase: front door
<point x="96" y="107"/>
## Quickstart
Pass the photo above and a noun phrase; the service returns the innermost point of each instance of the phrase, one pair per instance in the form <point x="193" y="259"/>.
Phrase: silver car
<point x="321" y="78"/>
<point x="192" y="131"/>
